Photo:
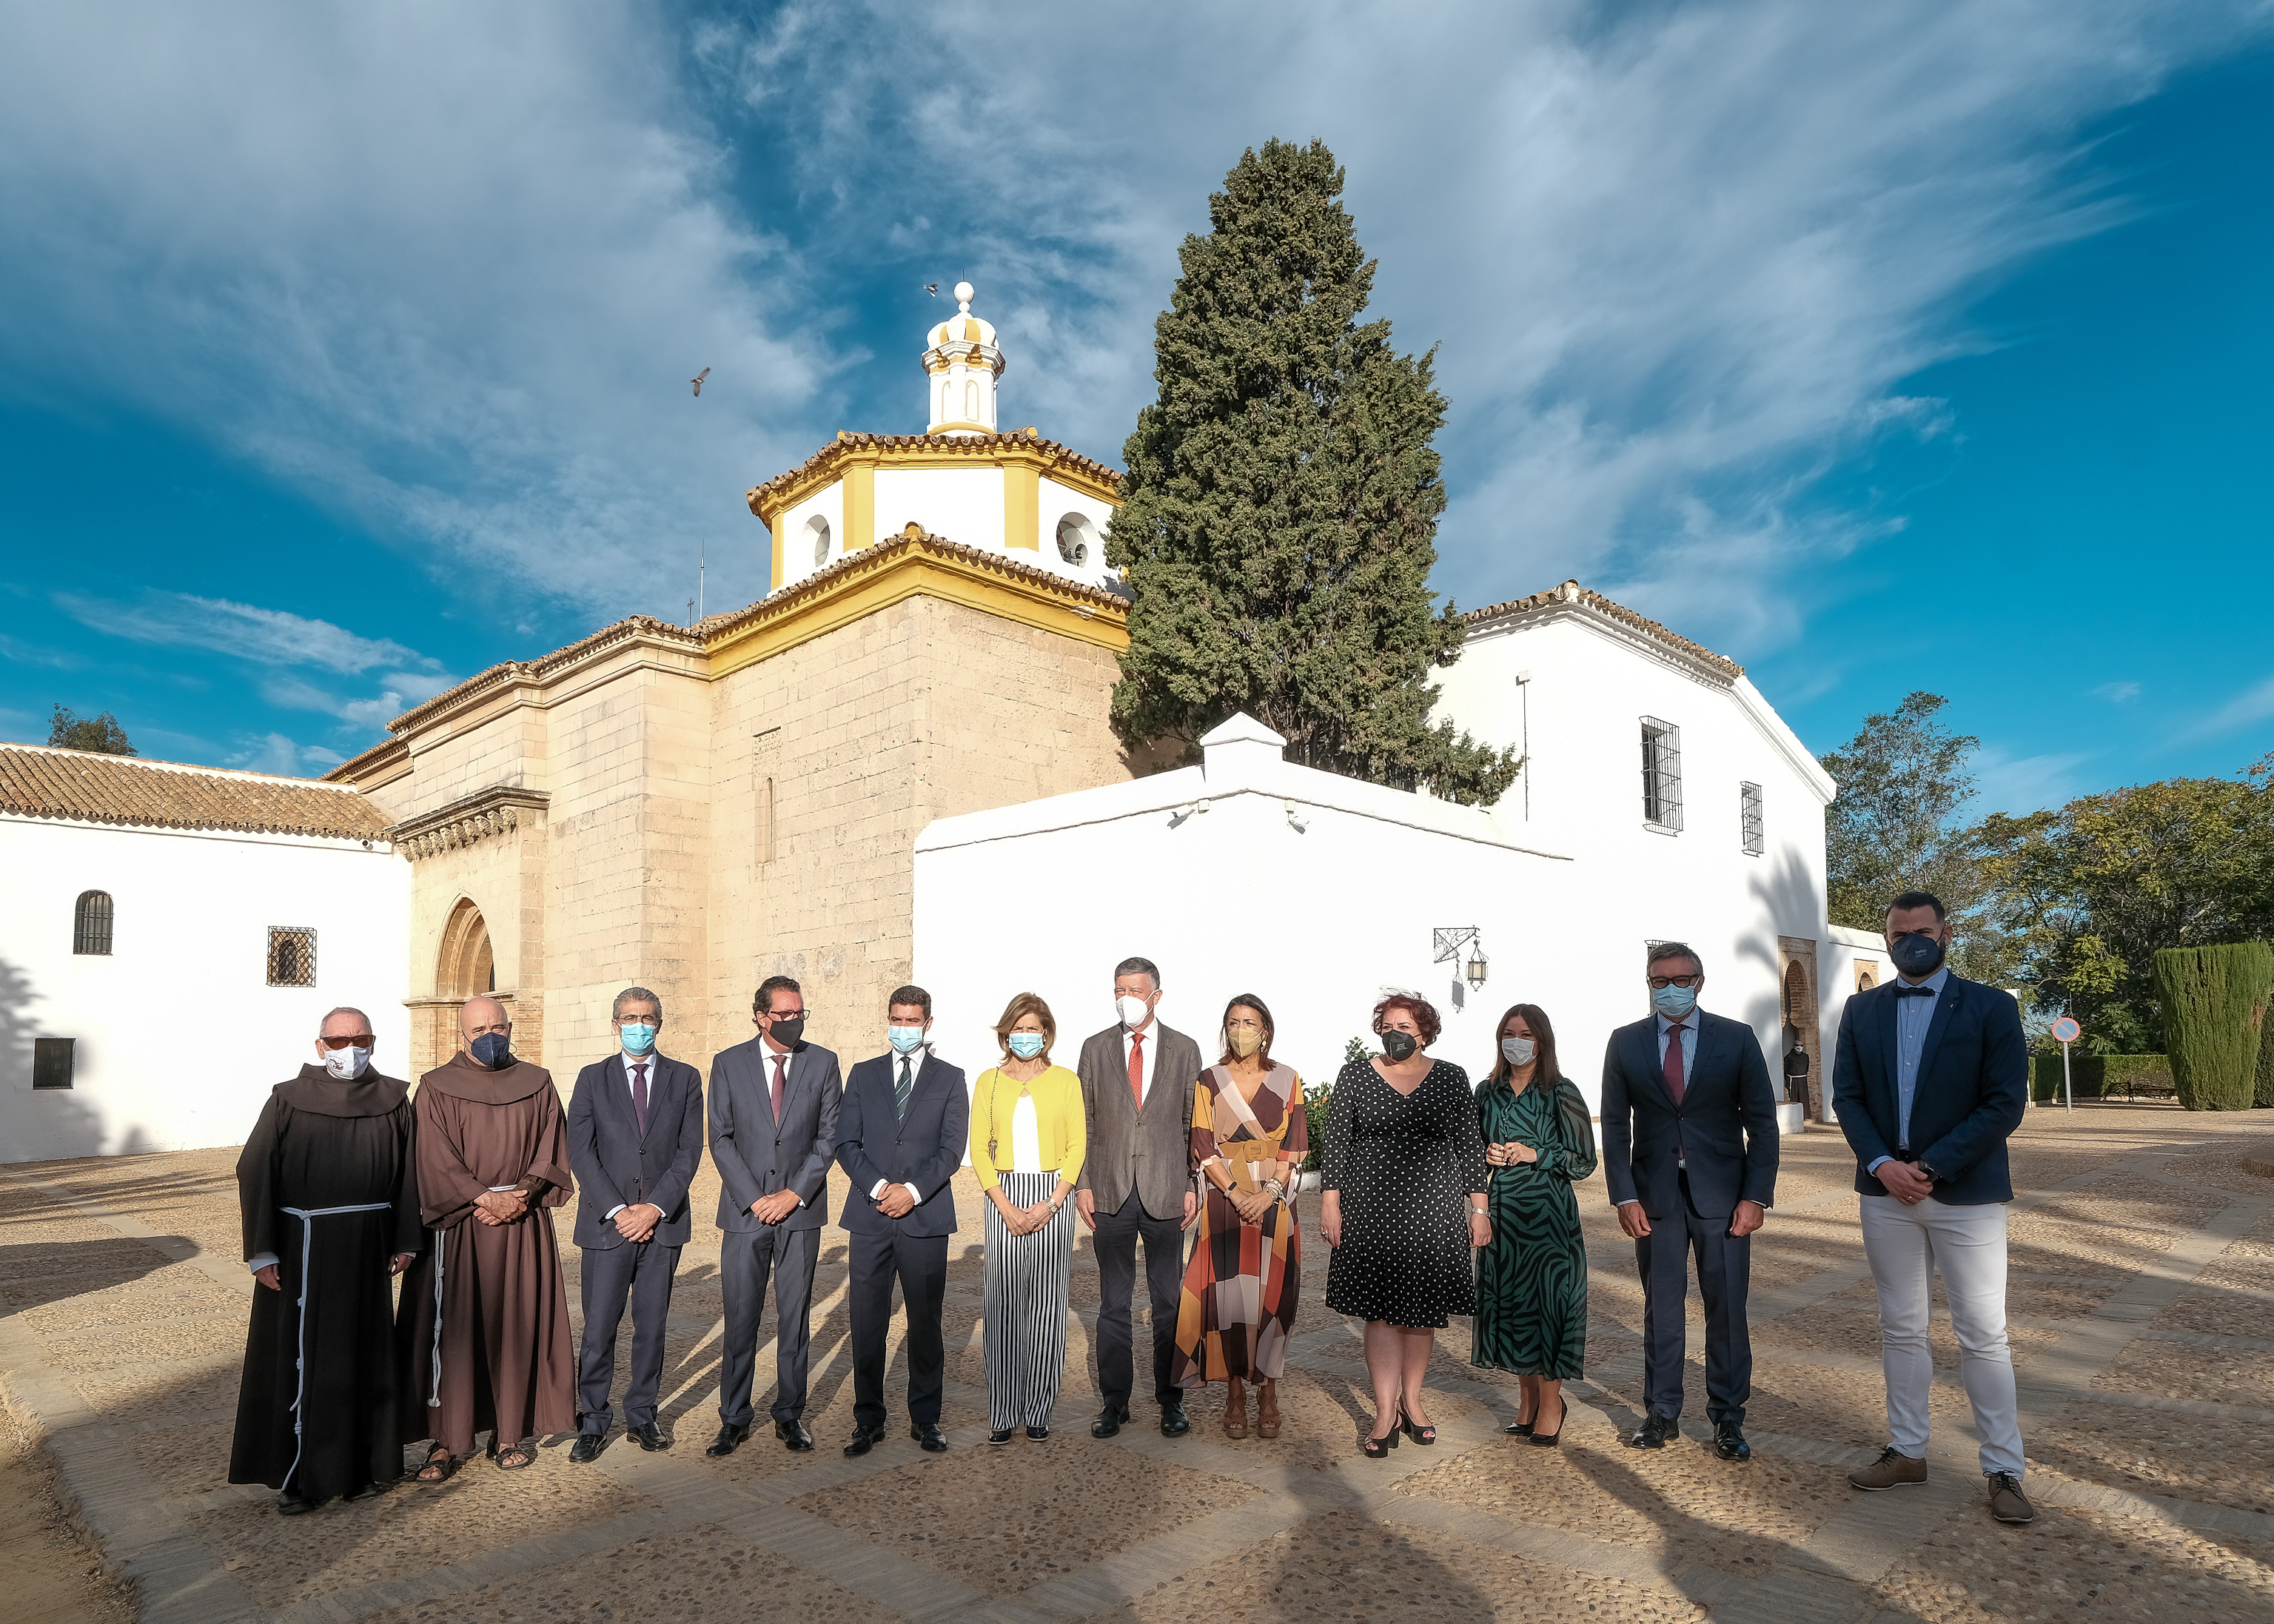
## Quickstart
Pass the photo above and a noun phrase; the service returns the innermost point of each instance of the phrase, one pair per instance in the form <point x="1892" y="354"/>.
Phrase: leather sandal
<point x="1235" y="1408"/>
<point x="441" y="1462"/>
<point x="1267" y="1408"/>
<point x="517" y="1457"/>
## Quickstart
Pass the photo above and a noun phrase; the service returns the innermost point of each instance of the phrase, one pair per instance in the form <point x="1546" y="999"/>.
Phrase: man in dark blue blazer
<point x="635" y="1140"/>
<point x="901" y="1133"/>
<point x="773" y="1131"/>
<point x="1690" y="1152"/>
<point x="1932" y="1076"/>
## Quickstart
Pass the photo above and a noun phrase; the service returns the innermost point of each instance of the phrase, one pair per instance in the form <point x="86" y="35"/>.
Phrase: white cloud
<point x="449" y="267"/>
<point x="2255" y="703"/>
<point x="2022" y="783"/>
<point x="264" y="636"/>
<point x="2117" y="693"/>
<point x="268" y="753"/>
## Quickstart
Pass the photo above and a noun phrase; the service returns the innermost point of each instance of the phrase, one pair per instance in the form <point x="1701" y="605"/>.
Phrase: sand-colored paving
<point x="2142" y="1304"/>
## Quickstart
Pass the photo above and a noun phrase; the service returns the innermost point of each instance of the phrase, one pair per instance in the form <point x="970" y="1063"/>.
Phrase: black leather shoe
<point x="1174" y="1422"/>
<point x="1654" y="1432"/>
<point x="934" y="1441"/>
<point x="1000" y="1435"/>
<point x="291" y="1504"/>
<point x="585" y="1450"/>
<point x="1038" y="1434"/>
<point x="370" y="1491"/>
<point x="864" y="1438"/>
<point x="1109" y="1421"/>
<point x="729" y="1440"/>
<point x="793" y="1434"/>
<point x="650" y="1437"/>
<point x="1729" y="1442"/>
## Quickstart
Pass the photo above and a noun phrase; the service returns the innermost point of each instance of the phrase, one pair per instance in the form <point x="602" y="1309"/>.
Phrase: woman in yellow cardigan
<point x="1028" y="1137"/>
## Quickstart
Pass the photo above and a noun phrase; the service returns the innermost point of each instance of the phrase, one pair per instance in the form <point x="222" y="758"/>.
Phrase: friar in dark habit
<point x="329" y="1186"/>
<point x="485" y="1313"/>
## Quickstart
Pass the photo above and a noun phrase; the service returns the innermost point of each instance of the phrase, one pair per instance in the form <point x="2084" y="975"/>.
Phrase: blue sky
<point x="344" y="351"/>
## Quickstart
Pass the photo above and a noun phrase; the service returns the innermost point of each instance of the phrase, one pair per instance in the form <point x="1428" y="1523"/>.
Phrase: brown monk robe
<point x="330" y="1204"/>
<point x="493" y="1158"/>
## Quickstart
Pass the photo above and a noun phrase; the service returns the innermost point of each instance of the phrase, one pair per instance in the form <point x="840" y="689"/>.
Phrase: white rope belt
<point x="434" y="1379"/>
<point x="307" y="1215"/>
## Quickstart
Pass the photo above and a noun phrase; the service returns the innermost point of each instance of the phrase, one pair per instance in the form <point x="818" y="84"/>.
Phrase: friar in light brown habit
<point x="485" y="1313"/>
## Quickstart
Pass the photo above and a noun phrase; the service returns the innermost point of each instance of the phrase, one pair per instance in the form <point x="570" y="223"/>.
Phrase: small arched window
<point x="91" y="923"/>
<point x="971" y="402"/>
<point x="817" y="531"/>
<point x="1075" y="533"/>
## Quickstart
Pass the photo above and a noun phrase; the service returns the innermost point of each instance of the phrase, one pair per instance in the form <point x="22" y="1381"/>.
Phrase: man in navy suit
<point x="1932" y="1076"/>
<point x="773" y="1130"/>
<point x="1690" y="1152"/>
<point x="635" y="1140"/>
<point x="900" y="1135"/>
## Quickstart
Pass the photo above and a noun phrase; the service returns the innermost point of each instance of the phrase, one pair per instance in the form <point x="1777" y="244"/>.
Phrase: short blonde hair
<point x="1019" y="1007"/>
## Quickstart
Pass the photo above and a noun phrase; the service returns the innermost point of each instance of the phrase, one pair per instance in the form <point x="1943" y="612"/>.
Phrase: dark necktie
<point x="901" y="1090"/>
<point x="781" y="1063"/>
<point x="639" y="1094"/>
<point x="1673" y="1062"/>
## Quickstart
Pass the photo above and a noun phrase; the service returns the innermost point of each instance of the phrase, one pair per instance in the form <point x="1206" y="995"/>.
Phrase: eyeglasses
<point x="354" y="1040"/>
<point x="1659" y="982"/>
<point x="805" y="1014"/>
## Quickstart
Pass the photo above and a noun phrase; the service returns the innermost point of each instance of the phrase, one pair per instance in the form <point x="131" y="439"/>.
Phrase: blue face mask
<point x="638" y="1038"/>
<point x="1026" y="1045"/>
<point x="1917" y="955"/>
<point x="1674" y="1002"/>
<point x="491" y="1047"/>
<point x="905" y="1039"/>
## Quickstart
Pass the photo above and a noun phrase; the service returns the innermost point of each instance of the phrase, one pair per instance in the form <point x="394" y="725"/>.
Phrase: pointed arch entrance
<point x="466" y="964"/>
<point x="1796" y="995"/>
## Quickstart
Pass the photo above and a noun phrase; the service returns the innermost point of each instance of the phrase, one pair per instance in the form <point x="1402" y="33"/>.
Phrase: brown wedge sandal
<point x="1235" y="1408"/>
<point x="1267" y="1408"/>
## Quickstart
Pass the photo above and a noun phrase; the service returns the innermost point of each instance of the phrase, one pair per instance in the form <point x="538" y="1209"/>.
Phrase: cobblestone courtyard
<point x="2142" y="1305"/>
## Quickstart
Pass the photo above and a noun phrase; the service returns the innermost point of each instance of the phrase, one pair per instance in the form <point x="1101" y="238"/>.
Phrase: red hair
<point x="1424" y="1013"/>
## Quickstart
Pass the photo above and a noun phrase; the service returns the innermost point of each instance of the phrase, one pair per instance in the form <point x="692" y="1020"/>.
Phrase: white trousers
<point x="1906" y="1245"/>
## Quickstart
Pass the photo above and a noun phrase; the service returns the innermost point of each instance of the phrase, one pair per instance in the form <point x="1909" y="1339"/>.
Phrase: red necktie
<point x="1137" y="1070"/>
<point x="1673" y="1062"/>
<point x="639" y="1094"/>
<point x="781" y="1060"/>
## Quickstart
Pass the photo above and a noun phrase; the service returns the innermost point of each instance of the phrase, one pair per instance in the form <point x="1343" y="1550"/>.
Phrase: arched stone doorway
<point x="1797" y="997"/>
<point x="464" y="964"/>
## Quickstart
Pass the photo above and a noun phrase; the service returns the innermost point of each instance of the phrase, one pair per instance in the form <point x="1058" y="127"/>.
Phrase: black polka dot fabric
<point x="1405" y="1164"/>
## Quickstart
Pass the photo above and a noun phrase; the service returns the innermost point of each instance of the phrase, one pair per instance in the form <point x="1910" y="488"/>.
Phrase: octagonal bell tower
<point x="961" y="364"/>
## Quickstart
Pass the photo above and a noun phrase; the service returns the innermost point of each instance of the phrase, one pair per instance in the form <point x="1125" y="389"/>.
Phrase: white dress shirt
<point x="914" y="1065"/>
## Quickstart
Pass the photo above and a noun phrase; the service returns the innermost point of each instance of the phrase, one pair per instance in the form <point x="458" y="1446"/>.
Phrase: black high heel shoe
<point x="1548" y="1440"/>
<point x="1521" y="1429"/>
<point x="1378" y="1448"/>
<point x="1418" y="1434"/>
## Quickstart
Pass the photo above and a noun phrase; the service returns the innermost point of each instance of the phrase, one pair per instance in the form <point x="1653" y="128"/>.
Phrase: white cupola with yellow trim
<point x="1035" y="502"/>
<point x="962" y="364"/>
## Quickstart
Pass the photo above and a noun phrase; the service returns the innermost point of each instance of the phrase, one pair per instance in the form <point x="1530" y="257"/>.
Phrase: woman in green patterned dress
<point x="1532" y="1281"/>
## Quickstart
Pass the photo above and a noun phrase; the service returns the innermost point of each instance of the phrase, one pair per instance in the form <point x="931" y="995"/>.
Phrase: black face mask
<point x="1399" y="1045"/>
<point x="787" y="1030"/>
<point x="1917" y="954"/>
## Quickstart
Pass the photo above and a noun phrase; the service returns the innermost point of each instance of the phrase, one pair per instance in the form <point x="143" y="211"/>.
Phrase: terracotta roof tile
<point x="1572" y="592"/>
<point x="37" y="781"/>
<point x="973" y="445"/>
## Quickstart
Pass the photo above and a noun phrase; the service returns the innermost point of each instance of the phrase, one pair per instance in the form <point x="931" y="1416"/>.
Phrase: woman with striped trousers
<point x="1028" y="1138"/>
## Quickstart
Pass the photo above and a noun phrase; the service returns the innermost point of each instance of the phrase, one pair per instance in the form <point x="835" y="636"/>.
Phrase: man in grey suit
<point x="1136" y="1182"/>
<point x="773" y="1132"/>
<point x="1690" y="1152"/>
<point x="635" y="1140"/>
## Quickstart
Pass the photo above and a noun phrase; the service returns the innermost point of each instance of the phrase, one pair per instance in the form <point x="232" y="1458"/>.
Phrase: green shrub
<point x="2214" y="1002"/>
<point x="2101" y="1076"/>
<point x="2263" y="1096"/>
<point x="1316" y="1096"/>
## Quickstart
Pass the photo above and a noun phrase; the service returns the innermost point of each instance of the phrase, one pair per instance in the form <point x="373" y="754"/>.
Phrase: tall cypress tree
<point x="1279" y="513"/>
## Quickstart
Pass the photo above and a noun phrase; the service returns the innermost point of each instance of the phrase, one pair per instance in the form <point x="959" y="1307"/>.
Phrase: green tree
<point x="1280" y="508"/>
<point x="1895" y="827"/>
<point x="101" y="735"/>
<point x="2214" y="1000"/>
<point x="2090" y="894"/>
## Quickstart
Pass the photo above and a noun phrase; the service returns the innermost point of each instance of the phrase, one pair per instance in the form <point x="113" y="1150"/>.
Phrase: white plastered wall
<point x="1057" y="501"/>
<point x="828" y="505"/>
<point x="179" y="1036"/>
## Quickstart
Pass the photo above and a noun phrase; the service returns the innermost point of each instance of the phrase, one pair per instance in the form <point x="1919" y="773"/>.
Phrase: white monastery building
<point x="898" y="766"/>
<point x="174" y="936"/>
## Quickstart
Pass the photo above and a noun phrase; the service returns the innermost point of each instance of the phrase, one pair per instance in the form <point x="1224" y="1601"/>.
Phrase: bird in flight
<point x="698" y="378"/>
<point x="932" y="287"/>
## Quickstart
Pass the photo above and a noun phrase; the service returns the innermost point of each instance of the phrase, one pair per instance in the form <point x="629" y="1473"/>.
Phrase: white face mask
<point x="1519" y="1052"/>
<point x="346" y="1065"/>
<point x="1135" y="1011"/>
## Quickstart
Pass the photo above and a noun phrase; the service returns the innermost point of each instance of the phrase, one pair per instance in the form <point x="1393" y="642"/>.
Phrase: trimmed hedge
<point x="2265" y="1092"/>
<point x="2102" y="1077"/>
<point x="2214" y="1002"/>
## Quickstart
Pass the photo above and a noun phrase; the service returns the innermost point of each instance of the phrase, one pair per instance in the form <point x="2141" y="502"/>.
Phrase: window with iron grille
<point x="291" y="956"/>
<point x="1748" y="819"/>
<point x="51" y="1061"/>
<point x="1661" y="773"/>
<point x="91" y="923"/>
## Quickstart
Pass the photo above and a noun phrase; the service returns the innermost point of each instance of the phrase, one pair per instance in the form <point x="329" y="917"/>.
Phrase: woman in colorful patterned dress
<point x="1249" y="1136"/>
<point x="1532" y="1281"/>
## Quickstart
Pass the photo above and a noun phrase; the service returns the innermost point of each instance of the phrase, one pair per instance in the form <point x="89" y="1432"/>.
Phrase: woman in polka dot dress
<point x="1403" y="1208"/>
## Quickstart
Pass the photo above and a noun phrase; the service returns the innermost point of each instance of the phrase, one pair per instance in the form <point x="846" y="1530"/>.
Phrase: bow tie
<point x="1902" y="991"/>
